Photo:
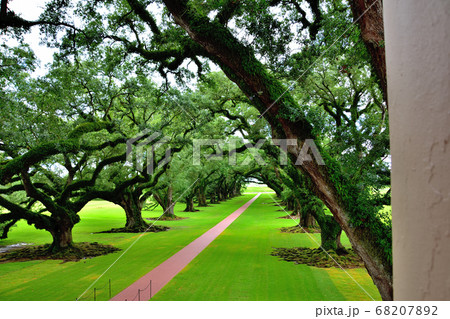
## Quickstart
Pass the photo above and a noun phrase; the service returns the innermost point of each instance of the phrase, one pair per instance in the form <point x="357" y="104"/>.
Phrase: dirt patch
<point x="167" y="218"/>
<point x="297" y="229"/>
<point x="77" y="252"/>
<point x="289" y="216"/>
<point x="148" y="229"/>
<point x="4" y="249"/>
<point x="319" y="258"/>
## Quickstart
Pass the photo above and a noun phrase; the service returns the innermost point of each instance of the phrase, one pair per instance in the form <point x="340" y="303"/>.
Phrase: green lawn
<point x="54" y="280"/>
<point x="256" y="189"/>
<point x="236" y="266"/>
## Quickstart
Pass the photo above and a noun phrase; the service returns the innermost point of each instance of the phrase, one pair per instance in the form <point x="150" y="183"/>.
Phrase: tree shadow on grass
<point x="319" y="258"/>
<point x="143" y="229"/>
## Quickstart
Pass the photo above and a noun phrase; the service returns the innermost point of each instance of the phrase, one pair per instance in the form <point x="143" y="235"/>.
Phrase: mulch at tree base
<point x="166" y="218"/>
<point x="148" y="229"/>
<point x="297" y="229"/>
<point x="75" y="253"/>
<point x="318" y="258"/>
<point x="289" y="216"/>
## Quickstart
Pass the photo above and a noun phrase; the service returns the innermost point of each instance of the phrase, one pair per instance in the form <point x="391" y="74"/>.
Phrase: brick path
<point x="163" y="273"/>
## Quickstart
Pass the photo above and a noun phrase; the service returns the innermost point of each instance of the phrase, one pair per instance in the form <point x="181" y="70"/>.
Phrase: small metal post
<point x="95" y="294"/>
<point x="139" y="294"/>
<point x="110" y="289"/>
<point x="150" y="289"/>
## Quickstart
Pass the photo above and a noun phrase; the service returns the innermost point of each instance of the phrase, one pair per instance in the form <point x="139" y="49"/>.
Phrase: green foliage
<point x="359" y="203"/>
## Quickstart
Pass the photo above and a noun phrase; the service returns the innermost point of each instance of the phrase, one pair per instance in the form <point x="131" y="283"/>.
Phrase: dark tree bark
<point x="307" y="219"/>
<point x="133" y="211"/>
<point x="201" y="197"/>
<point x="330" y="230"/>
<point x="224" y="194"/>
<point x="330" y="234"/>
<point x="289" y="204"/>
<point x="372" y="33"/>
<point x="62" y="233"/>
<point x="166" y="202"/>
<point x="168" y="211"/>
<point x="59" y="224"/>
<point x="190" y="204"/>
<point x="213" y="198"/>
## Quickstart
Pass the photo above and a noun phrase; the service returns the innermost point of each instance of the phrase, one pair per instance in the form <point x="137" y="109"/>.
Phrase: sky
<point x="30" y="10"/>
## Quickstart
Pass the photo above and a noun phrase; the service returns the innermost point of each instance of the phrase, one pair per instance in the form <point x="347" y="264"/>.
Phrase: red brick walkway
<point x="163" y="273"/>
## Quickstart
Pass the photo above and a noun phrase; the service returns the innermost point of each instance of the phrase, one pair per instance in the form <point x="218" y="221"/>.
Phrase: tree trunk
<point x="168" y="210"/>
<point x="234" y="191"/>
<point x="224" y="194"/>
<point x="330" y="234"/>
<point x="370" y="20"/>
<point x="133" y="212"/>
<point x="297" y="207"/>
<point x="213" y="198"/>
<point x="166" y="202"/>
<point x="61" y="234"/>
<point x="289" y="204"/>
<point x="307" y="220"/>
<point x="201" y="197"/>
<point x="190" y="204"/>
<point x="330" y="230"/>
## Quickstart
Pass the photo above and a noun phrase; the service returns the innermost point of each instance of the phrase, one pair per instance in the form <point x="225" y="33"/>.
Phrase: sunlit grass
<point x="236" y="266"/>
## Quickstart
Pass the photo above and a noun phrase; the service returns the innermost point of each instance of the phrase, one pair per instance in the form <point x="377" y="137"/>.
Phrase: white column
<point x="417" y="36"/>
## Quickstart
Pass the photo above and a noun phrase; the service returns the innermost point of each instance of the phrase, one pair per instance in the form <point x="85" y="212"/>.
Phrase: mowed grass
<point x="257" y="189"/>
<point x="56" y="280"/>
<point x="238" y="266"/>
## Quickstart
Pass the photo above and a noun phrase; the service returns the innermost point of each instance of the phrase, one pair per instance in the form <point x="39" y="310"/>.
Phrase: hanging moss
<point x="361" y="210"/>
<point x="88" y="127"/>
<point x="36" y="155"/>
<point x="47" y="149"/>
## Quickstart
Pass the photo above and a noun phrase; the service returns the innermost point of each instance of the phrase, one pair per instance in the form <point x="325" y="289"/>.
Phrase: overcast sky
<point x="30" y="10"/>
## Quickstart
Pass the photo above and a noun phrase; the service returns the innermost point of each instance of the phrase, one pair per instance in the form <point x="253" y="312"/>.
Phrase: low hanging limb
<point x="7" y="227"/>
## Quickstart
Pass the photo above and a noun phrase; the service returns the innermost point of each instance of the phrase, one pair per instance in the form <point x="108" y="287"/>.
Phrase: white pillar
<point x="417" y="34"/>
